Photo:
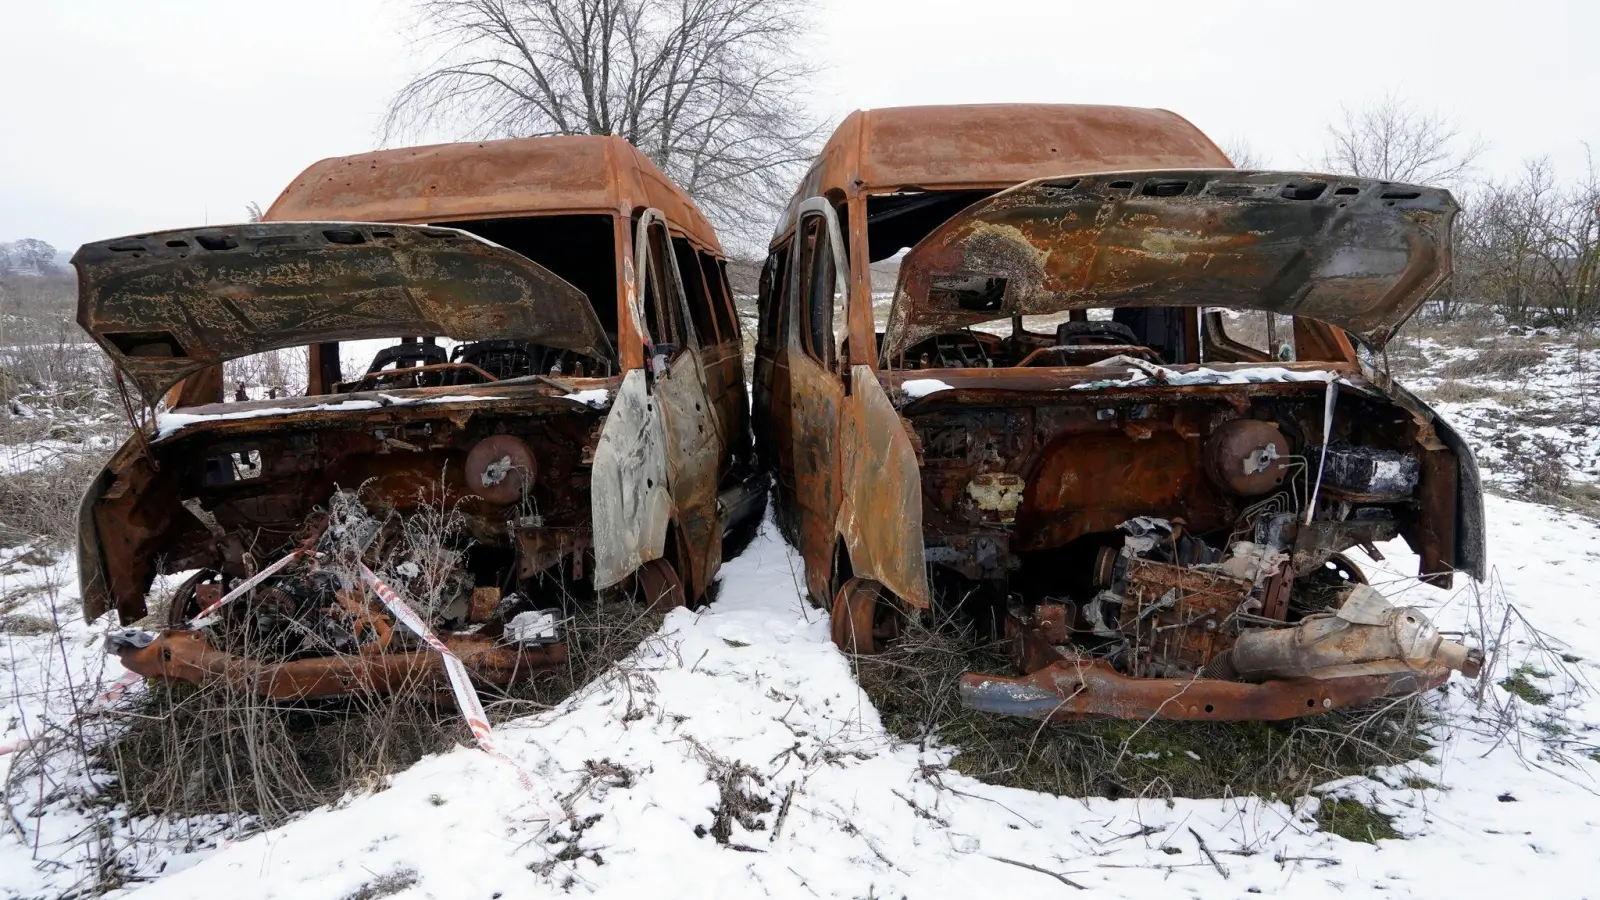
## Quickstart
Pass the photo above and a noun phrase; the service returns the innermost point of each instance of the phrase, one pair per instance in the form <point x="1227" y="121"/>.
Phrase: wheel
<point x="865" y="618"/>
<point x="1319" y="589"/>
<point x="659" y="587"/>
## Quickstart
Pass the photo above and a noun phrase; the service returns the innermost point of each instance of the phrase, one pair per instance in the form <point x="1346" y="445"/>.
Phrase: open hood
<point x="1355" y="253"/>
<point x="169" y="304"/>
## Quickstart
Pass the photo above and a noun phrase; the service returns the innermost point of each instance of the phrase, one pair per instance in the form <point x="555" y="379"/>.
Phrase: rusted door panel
<point x="694" y="442"/>
<point x="780" y="418"/>
<point x="816" y="397"/>
<point x="630" y="502"/>
<point x="694" y="448"/>
<point x="734" y="403"/>
<point x="724" y="369"/>
<point x="880" y="515"/>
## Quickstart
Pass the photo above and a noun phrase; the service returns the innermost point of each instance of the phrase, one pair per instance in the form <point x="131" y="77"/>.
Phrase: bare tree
<point x="252" y="211"/>
<point x="1242" y="153"/>
<point x="1393" y="141"/>
<point x="713" y="90"/>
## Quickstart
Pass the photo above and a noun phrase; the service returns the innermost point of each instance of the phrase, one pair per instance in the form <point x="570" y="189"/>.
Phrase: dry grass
<point x="914" y="687"/>
<point x="384" y="885"/>
<point x="1504" y="363"/>
<point x="1452" y="391"/>
<point x="43" y="501"/>
<point x="191" y="750"/>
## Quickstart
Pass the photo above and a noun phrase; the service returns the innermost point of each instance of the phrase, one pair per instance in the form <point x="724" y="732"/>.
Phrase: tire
<point x="658" y="587"/>
<point x="866" y="619"/>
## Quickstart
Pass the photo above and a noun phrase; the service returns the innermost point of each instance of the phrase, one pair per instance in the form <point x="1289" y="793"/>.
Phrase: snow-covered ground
<point x="749" y="693"/>
<point x="734" y="755"/>
<point x="1544" y="388"/>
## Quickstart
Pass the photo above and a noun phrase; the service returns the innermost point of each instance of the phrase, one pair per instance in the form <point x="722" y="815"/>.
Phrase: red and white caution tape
<point x="466" y="695"/>
<point x="117" y="689"/>
<point x="249" y="583"/>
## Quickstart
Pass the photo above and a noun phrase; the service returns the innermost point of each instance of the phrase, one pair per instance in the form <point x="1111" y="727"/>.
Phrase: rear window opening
<point x="580" y="249"/>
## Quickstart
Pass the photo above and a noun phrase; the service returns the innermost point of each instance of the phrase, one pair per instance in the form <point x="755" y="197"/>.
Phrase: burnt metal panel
<point x="169" y="304"/>
<point x="1356" y="253"/>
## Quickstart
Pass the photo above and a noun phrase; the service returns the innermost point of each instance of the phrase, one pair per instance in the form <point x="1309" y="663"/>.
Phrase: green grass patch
<point x="913" y="686"/>
<point x="1520" y="683"/>
<point x="1355" y="821"/>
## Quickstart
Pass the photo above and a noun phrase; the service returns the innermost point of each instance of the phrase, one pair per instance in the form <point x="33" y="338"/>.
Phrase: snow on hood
<point x="595" y="398"/>
<point x="168" y="424"/>
<point x="1144" y="375"/>
<point x="917" y="388"/>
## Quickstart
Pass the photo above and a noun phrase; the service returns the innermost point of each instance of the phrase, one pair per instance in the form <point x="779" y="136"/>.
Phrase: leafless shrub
<point x="1538" y="468"/>
<point x="1529" y="247"/>
<point x="275" y="373"/>
<point x="913" y="686"/>
<point x="42" y="500"/>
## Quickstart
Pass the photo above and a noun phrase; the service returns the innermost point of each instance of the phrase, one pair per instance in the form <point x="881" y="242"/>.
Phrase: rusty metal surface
<point x="173" y="303"/>
<point x="501" y="469"/>
<point x="490" y="179"/>
<point x="1247" y="456"/>
<point x="1070" y="689"/>
<point x="880" y="513"/>
<point x="1178" y="617"/>
<point x="631" y="502"/>
<point x="996" y="145"/>
<point x="1355" y="253"/>
<point x="133" y="519"/>
<point x="189" y="656"/>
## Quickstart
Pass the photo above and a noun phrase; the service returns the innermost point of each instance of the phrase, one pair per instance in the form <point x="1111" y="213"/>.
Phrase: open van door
<point x="850" y="448"/>
<point x="656" y="465"/>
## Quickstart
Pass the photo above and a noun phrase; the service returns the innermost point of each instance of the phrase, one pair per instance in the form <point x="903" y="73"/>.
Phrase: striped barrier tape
<point x="460" y="683"/>
<point x="249" y="583"/>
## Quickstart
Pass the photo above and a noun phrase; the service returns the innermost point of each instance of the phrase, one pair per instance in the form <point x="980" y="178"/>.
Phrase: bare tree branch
<point x="1393" y="141"/>
<point x="714" y="91"/>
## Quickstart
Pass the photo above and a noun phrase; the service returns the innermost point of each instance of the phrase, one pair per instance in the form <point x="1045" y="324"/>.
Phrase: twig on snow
<point x="1030" y="866"/>
<point x="1207" y="851"/>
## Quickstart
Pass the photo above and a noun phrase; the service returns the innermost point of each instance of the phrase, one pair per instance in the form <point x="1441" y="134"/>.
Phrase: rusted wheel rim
<point x="1345" y="569"/>
<point x="659" y="586"/>
<point x="865" y="618"/>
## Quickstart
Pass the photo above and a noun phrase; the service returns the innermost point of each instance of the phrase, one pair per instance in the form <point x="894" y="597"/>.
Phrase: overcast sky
<point x="119" y="117"/>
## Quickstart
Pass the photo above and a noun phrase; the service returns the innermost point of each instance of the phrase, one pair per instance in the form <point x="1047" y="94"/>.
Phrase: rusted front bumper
<point x="1069" y="690"/>
<point x="189" y="656"/>
<point x="1059" y="688"/>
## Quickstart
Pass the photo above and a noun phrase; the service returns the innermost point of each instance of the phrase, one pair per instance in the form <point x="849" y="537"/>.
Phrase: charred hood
<point x="169" y="304"/>
<point x="1356" y="253"/>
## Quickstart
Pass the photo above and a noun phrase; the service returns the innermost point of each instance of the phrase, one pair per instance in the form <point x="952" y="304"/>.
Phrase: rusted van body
<point x="1112" y="409"/>
<point x="565" y="373"/>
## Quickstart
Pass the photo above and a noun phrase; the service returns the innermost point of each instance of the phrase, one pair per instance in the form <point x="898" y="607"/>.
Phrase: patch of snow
<point x="532" y="627"/>
<point x="918" y="388"/>
<point x="593" y="397"/>
<point x="754" y="679"/>
<point x="168" y="424"/>
<point x="1142" y="376"/>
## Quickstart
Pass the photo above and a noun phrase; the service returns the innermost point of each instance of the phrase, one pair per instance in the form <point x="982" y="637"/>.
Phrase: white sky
<point x="136" y="115"/>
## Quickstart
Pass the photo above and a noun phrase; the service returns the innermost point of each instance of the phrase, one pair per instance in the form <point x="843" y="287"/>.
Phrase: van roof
<point x="441" y="183"/>
<point x="997" y="145"/>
